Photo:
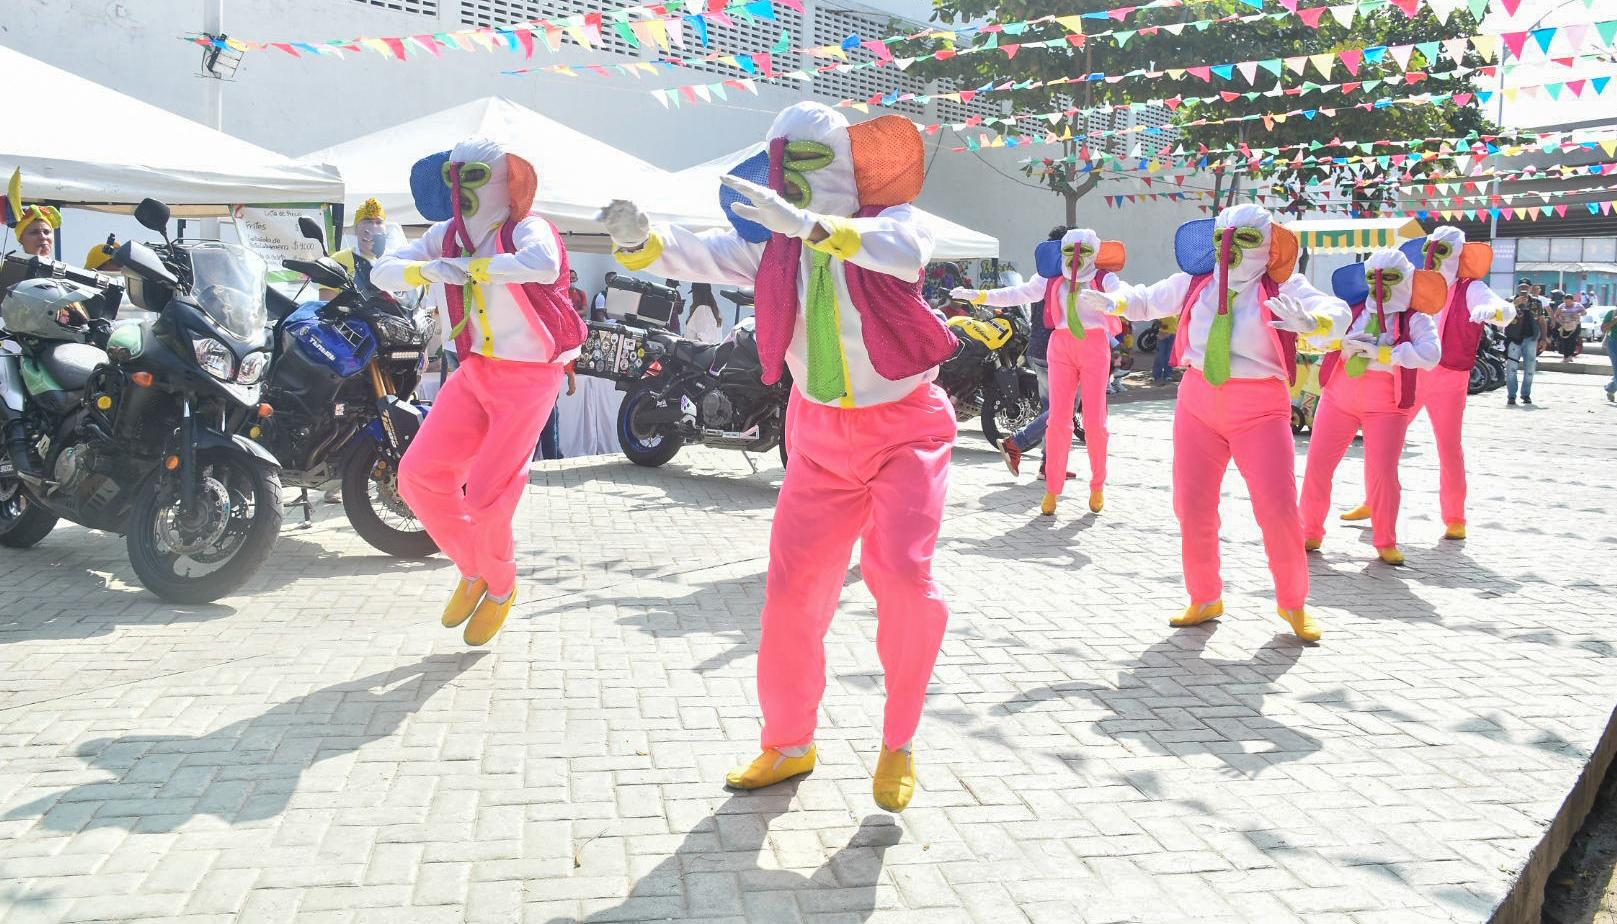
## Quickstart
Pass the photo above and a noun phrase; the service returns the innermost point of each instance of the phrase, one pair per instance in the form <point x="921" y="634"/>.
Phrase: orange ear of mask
<point x="1428" y="292"/>
<point x="1475" y="261"/>
<point x="1282" y="253"/>
<point x="523" y="185"/>
<point x="1111" y="256"/>
<point x="889" y="161"/>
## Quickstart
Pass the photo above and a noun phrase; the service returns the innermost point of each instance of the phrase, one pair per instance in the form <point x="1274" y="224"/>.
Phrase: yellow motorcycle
<point x="988" y="376"/>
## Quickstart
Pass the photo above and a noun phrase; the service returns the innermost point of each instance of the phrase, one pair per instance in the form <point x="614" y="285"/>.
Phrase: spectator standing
<point x="598" y="303"/>
<point x="550" y="437"/>
<point x="1012" y="447"/>
<point x="1569" y="327"/>
<point x="704" y="324"/>
<point x="1608" y="326"/>
<point x="576" y="295"/>
<point x="1162" y="365"/>
<point x="1524" y="337"/>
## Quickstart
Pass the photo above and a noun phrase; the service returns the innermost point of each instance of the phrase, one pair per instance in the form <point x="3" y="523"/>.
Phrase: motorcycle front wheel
<point x="1148" y="341"/>
<point x="23" y="522"/>
<point x="370" y="498"/>
<point x="201" y="558"/>
<point x="645" y="443"/>
<point x="1003" y="416"/>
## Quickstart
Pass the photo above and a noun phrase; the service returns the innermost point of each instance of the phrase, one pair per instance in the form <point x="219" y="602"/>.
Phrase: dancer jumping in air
<point x="837" y="257"/>
<point x="1080" y="354"/>
<point x="1370" y="384"/>
<point x="1443" y="390"/>
<point x="504" y="278"/>
<point x="1241" y="307"/>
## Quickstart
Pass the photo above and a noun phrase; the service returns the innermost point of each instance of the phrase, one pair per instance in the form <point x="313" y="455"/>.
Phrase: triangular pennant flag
<point x="1401" y="54"/>
<point x="1456" y="47"/>
<point x="1073" y="24"/>
<point x="1296" y="65"/>
<point x="659" y="32"/>
<point x="1272" y="66"/>
<point x="1487" y="46"/>
<point x="1224" y="71"/>
<point x="1429" y="51"/>
<point x="783" y="44"/>
<point x="1409" y="7"/>
<point x="1249" y="70"/>
<point x="1323" y="63"/>
<point x="1544" y="37"/>
<point x="1607" y="31"/>
<point x="1351" y="59"/>
<point x="1343" y="13"/>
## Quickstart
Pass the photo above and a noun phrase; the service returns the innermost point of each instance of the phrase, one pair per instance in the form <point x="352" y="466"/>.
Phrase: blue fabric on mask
<point x="1350" y="285"/>
<point x="1415" y="251"/>
<point x="1193" y="247"/>
<point x="432" y="198"/>
<point x="754" y="169"/>
<point x="1049" y="261"/>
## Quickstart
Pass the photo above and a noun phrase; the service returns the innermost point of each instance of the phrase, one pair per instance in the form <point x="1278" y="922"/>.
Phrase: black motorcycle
<point x="341" y="380"/>
<point x="681" y="391"/>
<point x="988" y="375"/>
<point x="1488" y="372"/>
<point x="128" y="428"/>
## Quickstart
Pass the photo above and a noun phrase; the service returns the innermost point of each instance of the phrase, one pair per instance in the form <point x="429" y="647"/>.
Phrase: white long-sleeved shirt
<point x="1422" y="351"/>
<point x="1252" y="351"/>
<point x="1032" y="293"/>
<point x="893" y="243"/>
<point x="1480" y="297"/>
<point x="499" y="327"/>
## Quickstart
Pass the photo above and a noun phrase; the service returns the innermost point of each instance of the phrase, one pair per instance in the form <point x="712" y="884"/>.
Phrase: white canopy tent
<point x="578" y="174"/>
<point x="129" y="150"/>
<point x="952" y="241"/>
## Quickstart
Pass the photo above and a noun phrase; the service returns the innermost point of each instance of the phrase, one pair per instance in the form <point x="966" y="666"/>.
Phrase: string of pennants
<point x="1511" y="213"/>
<point x="1492" y="199"/>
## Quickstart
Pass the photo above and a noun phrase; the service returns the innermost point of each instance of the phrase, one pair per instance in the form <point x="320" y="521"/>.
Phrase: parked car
<point x="1591" y="322"/>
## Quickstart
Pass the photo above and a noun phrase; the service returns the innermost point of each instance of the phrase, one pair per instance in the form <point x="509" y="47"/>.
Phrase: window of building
<point x="421" y="7"/>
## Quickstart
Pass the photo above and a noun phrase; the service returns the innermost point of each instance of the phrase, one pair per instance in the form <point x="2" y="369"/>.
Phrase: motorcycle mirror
<point x="153" y="216"/>
<point x="324" y="272"/>
<point x="141" y="261"/>
<point x="311" y="229"/>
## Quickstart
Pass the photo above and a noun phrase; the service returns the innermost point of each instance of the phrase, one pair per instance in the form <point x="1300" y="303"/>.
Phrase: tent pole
<point x="213" y="97"/>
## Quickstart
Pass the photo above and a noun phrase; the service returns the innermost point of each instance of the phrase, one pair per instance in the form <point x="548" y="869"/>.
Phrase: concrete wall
<point x="294" y="106"/>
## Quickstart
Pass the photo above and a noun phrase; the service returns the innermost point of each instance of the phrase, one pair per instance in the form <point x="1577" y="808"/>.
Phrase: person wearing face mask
<point x="370" y="242"/>
<point x="837" y="258"/>
<point x="503" y="274"/>
<point x="1370" y="384"/>
<point x="1241" y="307"/>
<point x="1443" y="390"/>
<point x="1079" y="353"/>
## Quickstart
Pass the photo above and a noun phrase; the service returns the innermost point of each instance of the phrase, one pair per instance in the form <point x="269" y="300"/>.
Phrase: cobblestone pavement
<point x="319" y="749"/>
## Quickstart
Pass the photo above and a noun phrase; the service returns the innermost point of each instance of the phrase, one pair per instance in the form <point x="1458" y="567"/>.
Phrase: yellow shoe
<point x="1301" y="623"/>
<point x="1198" y="613"/>
<point x="1048" y="506"/>
<point x="1455" y="531"/>
<point x="1390" y="555"/>
<point x="1312" y="545"/>
<point x="894" y="784"/>
<point x="1361" y="512"/>
<point x="488" y="619"/>
<point x="769" y="768"/>
<point x="1097" y="500"/>
<point x="461" y="603"/>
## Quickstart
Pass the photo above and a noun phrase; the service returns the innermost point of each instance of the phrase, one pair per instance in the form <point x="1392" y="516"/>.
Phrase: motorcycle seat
<point x="697" y="354"/>
<point x="70" y="364"/>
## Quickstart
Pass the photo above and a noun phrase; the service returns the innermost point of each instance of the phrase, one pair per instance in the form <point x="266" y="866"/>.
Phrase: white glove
<point x="1485" y="314"/>
<point x="628" y="227"/>
<point x="1291" y="315"/>
<point x="1096" y="300"/>
<point x="448" y="271"/>
<point x="1358" y="346"/>
<point x="960" y="293"/>
<point x="770" y="210"/>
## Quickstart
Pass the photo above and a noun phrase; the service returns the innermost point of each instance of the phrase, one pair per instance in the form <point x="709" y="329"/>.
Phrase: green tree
<point x="1217" y="43"/>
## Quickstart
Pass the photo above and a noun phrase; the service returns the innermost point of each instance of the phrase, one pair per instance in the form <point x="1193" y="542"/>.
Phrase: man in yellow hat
<point x="370" y="242"/>
<point x="103" y="258"/>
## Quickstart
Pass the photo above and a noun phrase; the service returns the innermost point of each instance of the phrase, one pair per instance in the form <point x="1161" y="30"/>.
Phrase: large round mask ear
<point x="1047" y="260"/>
<point x="1282" y="253"/>
<point x="754" y="169"/>
<point x="1193" y="247"/>
<point x="889" y="161"/>
<point x="1111" y="256"/>
<point x="1475" y="261"/>
<point x="1429" y="293"/>
<point x="1415" y="251"/>
<point x="1350" y="285"/>
<point x="432" y="198"/>
<point x="522" y="184"/>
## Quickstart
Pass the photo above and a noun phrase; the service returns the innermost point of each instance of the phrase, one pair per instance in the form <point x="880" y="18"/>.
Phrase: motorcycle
<point x="1488" y="372"/>
<point x="987" y="376"/>
<point x="681" y="391"/>
<point x="130" y="428"/>
<point x="340" y="381"/>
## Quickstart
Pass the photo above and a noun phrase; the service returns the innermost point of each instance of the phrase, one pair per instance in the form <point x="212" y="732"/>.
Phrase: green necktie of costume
<point x="1359" y="364"/>
<point x="1216" y="358"/>
<point x="1075" y="325"/>
<point x="827" y="378"/>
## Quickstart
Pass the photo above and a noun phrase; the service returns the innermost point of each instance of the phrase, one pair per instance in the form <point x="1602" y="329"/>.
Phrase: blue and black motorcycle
<point x="341" y="382"/>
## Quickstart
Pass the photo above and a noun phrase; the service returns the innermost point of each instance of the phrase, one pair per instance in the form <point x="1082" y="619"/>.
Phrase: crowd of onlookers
<point x="1553" y="322"/>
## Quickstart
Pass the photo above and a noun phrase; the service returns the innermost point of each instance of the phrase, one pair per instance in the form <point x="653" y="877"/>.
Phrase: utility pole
<point x="213" y="90"/>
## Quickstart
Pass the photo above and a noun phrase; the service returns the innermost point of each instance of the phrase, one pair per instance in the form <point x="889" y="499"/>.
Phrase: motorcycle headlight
<point x="215" y="358"/>
<point x="252" y="368"/>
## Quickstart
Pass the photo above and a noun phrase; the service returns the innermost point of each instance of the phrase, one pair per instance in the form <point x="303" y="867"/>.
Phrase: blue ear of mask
<point x="1350" y="285"/>
<point x="1414" y="250"/>
<point x="432" y="197"/>
<point x="1047" y="260"/>
<point x="754" y="169"/>
<point x="1193" y="247"/>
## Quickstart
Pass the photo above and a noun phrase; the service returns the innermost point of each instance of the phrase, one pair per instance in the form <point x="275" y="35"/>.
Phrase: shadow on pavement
<point x="715" y="869"/>
<point x="244" y="771"/>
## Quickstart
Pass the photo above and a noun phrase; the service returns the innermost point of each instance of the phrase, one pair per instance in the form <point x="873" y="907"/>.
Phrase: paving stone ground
<point x="319" y="749"/>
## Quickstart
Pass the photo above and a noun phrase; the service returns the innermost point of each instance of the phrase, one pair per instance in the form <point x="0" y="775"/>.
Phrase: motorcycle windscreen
<point x="345" y="347"/>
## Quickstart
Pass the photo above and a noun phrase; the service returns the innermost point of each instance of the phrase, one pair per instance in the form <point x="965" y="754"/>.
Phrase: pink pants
<point x="1348" y="405"/>
<point x="1077" y="364"/>
<point x="466" y="470"/>
<point x="1249" y="419"/>
<point x="878" y="474"/>
<point x="1443" y="392"/>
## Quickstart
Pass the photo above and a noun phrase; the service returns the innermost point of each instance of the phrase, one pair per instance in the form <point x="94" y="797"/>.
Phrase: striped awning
<point x="1353" y="235"/>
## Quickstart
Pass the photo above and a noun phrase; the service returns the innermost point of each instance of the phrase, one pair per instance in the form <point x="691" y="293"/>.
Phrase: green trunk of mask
<point x="1216" y="360"/>
<point x="1075" y="325"/>
<point x="827" y="380"/>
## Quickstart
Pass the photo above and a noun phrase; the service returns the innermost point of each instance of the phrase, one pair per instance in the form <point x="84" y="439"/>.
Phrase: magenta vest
<point x="1403" y="383"/>
<point x="901" y="334"/>
<point x="546" y="306"/>
<point x="1460" y="334"/>
<point x="1055" y="313"/>
<point x="1285" y="342"/>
